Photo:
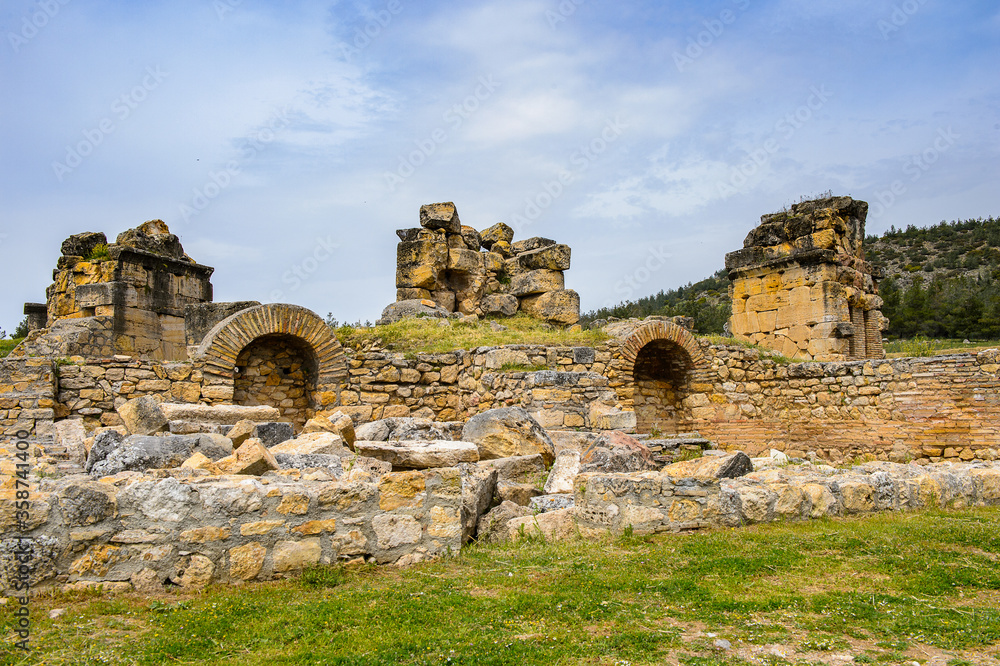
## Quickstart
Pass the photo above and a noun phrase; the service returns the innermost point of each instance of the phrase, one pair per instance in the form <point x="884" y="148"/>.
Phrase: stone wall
<point x="801" y="284"/>
<point x="27" y="396"/>
<point x="147" y="531"/>
<point x="658" y="502"/>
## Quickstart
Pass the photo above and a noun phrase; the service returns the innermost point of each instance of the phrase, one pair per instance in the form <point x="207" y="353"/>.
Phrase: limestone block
<point x="421" y="264"/>
<point x="412" y="293"/>
<point x="251" y="458"/>
<point x="296" y="555"/>
<point x="529" y="244"/>
<point x="337" y="423"/>
<point x="196" y="571"/>
<point x="401" y="490"/>
<point x="245" y="561"/>
<point x="508" y="431"/>
<point x="552" y="257"/>
<point x="444" y="298"/>
<point x="537" y="282"/>
<point x="442" y="216"/>
<point x="559" y="307"/>
<point x="241" y="432"/>
<point x="225" y="414"/>
<point x="499" y="304"/>
<point x="465" y="261"/>
<point x="416" y="454"/>
<point x="471" y="237"/>
<point x="553" y="525"/>
<point x="143" y="416"/>
<point x="564" y="471"/>
<point x="319" y="442"/>
<point x="392" y="531"/>
<point x="499" y="232"/>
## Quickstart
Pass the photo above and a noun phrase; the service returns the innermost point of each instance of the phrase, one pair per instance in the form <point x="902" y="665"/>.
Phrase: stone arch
<point x="664" y="361"/>
<point x="219" y="351"/>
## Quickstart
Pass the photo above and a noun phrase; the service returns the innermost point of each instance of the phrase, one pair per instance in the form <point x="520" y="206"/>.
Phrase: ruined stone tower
<point x="801" y="285"/>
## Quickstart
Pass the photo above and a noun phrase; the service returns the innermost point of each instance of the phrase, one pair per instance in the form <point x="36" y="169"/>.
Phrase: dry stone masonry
<point x="801" y="284"/>
<point x="444" y="267"/>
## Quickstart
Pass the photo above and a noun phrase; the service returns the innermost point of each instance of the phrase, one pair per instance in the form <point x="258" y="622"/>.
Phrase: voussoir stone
<point x="506" y="432"/>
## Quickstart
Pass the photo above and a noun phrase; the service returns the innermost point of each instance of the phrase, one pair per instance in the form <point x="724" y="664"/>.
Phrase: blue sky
<point x="285" y="142"/>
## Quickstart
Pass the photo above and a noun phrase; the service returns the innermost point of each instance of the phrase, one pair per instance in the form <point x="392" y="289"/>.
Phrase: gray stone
<point x="213" y="446"/>
<point x="200" y="318"/>
<point x="310" y="461"/>
<point x="499" y="304"/>
<point x="86" y="503"/>
<point x="506" y="432"/>
<point x="585" y="355"/>
<point x="394" y="530"/>
<point x="142" y="452"/>
<point x="400" y="428"/>
<point x="408" y="235"/>
<point x="416" y="454"/>
<point x="616" y="452"/>
<point x="81" y="245"/>
<point x="273" y="432"/>
<point x="413" y="308"/>
<point x="493" y="525"/>
<point x="189" y="428"/>
<point x="518" y="493"/>
<point x="478" y="487"/>
<point x="529" y="244"/>
<point x="545" y="503"/>
<point x="153" y="237"/>
<point x="104" y="443"/>
<point x="552" y="257"/>
<point x="564" y="471"/>
<point x="224" y="414"/>
<point x="520" y="469"/>
<point x="730" y="466"/>
<point x="471" y="237"/>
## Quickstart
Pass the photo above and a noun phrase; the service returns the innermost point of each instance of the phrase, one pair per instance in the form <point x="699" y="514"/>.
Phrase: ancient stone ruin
<point x="444" y="267"/>
<point x="169" y="440"/>
<point x="802" y="287"/>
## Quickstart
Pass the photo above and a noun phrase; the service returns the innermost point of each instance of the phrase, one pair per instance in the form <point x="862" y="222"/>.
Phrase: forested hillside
<point x="940" y="281"/>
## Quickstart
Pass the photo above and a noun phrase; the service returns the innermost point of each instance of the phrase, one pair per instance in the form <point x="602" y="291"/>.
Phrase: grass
<point x="928" y="347"/>
<point x="429" y="335"/>
<point x="7" y="345"/>
<point x="886" y="589"/>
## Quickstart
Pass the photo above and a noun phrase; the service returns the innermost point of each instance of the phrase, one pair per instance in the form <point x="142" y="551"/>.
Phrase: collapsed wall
<point x="458" y="269"/>
<point x="801" y="284"/>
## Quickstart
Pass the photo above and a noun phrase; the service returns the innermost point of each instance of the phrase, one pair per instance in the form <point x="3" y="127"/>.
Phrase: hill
<point x="940" y="281"/>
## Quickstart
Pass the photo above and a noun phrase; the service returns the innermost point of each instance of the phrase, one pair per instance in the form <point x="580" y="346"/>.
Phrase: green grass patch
<point x="7" y="345"/>
<point x="885" y="589"/>
<point x="421" y="334"/>
<point x="920" y="346"/>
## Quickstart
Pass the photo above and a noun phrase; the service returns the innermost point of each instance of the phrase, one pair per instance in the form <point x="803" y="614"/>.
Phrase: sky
<point x="285" y="142"/>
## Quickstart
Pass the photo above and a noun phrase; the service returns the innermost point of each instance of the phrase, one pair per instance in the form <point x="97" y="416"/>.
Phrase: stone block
<point x="559" y="307"/>
<point x="143" y="416"/>
<point x="443" y="216"/>
<point x="537" y="282"/>
<point x="498" y="233"/>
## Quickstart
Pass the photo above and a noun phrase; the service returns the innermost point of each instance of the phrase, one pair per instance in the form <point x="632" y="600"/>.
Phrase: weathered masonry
<point x="801" y="284"/>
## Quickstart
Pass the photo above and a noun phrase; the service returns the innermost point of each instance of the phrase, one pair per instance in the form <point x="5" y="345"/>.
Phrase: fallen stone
<point x="105" y="442"/>
<point x="313" y="443"/>
<point x="558" y="307"/>
<point x="311" y="461"/>
<point x="213" y="446"/>
<point x="336" y="422"/>
<point x="616" y="452"/>
<point x="223" y="414"/>
<point x="201" y="461"/>
<point x="366" y="469"/>
<point x="70" y="433"/>
<point x="478" y="487"/>
<point x="192" y="428"/>
<point x="555" y="525"/>
<point x="401" y="428"/>
<point x="142" y="452"/>
<point x="521" y="469"/>
<point x="416" y="454"/>
<point x="499" y="304"/>
<point x="518" y="493"/>
<point x="471" y="237"/>
<point x="564" y="471"/>
<point x="407" y="309"/>
<point x="441" y="216"/>
<point x="729" y="466"/>
<point x="252" y="458"/>
<point x="273" y="433"/>
<point x="545" y="503"/>
<point x="81" y="245"/>
<point x="506" y="432"/>
<point x="142" y="416"/>
<point x="493" y="525"/>
<point x="241" y="432"/>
